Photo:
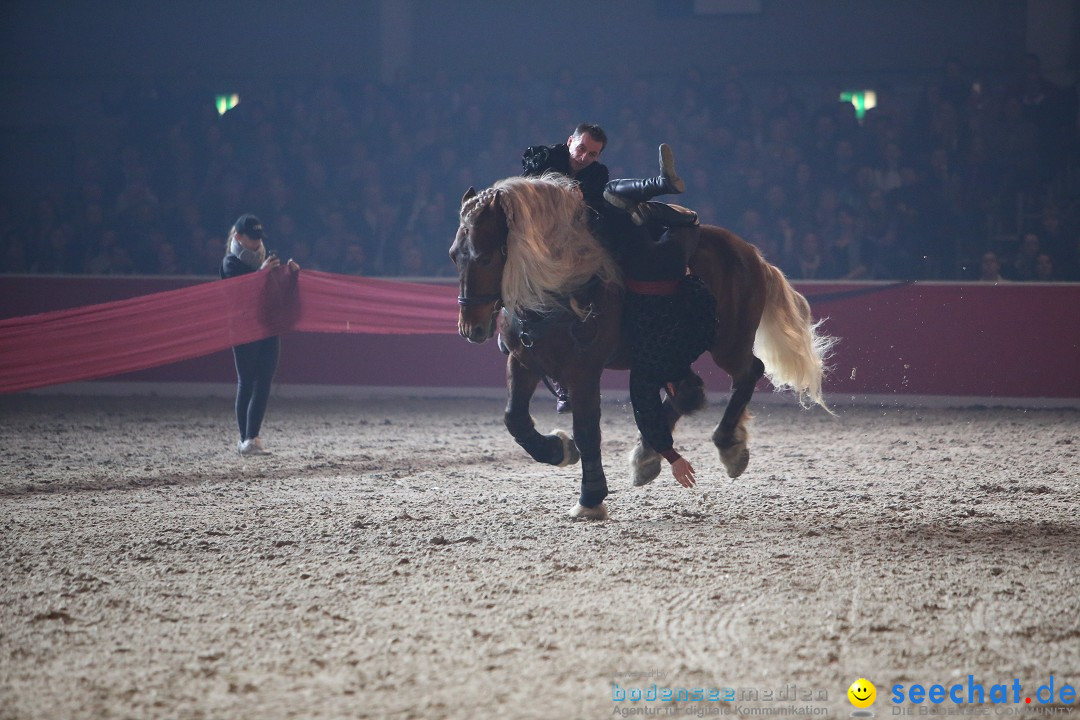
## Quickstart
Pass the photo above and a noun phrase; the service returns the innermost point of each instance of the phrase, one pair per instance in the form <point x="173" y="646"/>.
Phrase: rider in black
<point x="576" y="158"/>
<point x="579" y="158"/>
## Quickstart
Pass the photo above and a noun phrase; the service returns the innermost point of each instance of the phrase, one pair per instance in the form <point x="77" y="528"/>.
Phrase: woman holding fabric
<point x="256" y="362"/>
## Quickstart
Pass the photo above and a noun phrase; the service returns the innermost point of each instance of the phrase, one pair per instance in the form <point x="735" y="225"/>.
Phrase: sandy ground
<point x="402" y="558"/>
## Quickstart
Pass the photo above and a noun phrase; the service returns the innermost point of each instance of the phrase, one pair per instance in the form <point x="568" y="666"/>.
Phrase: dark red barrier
<point x="1006" y="340"/>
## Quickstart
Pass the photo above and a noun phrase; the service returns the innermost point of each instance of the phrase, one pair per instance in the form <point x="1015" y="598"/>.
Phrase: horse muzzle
<point x="475" y="334"/>
<point x="474" y="324"/>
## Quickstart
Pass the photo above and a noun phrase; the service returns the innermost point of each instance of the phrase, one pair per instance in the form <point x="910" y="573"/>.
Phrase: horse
<point x="531" y="272"/>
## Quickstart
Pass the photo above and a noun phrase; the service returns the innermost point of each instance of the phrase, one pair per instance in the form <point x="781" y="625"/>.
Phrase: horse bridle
<point x="478" y="299"/>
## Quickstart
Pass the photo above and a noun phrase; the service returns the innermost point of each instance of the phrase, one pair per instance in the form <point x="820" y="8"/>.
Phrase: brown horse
<point x="523" y="247"/>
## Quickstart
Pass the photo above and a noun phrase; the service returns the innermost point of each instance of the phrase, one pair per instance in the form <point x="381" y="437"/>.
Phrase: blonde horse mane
<point x="550" y="250"/>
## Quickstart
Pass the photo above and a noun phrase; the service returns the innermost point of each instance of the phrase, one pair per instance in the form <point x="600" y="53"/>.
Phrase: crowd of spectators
<point x="359" y="177"/>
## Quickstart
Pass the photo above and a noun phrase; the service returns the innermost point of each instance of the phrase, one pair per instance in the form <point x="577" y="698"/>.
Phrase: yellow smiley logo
<point x="862" y="693"/>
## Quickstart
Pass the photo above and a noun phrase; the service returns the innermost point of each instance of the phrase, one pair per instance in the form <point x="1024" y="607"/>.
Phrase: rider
<point x="578" y="158"/>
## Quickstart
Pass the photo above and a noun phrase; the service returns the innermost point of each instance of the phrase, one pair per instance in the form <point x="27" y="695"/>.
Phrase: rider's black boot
<point x="626" y="193"/>
<point x="562" y="398"/>
<point x="668" y="215"/>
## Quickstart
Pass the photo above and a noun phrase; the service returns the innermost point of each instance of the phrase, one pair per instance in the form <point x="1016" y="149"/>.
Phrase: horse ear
<point x="469" y="195"/>
<point x="498" y="202"/>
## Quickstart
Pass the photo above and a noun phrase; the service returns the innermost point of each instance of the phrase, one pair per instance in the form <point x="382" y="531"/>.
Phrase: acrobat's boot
<point x="626" y="193"/>
<point x="672" y="216"/>
<point x="562" y="398"/>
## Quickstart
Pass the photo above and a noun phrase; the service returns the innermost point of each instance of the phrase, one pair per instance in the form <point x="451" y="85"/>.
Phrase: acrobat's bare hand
<point x="293" y="265"/>
<point x="683" y="472"/>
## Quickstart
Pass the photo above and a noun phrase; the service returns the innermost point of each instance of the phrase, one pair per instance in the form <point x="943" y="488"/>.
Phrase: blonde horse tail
<point x="790" y="343"/>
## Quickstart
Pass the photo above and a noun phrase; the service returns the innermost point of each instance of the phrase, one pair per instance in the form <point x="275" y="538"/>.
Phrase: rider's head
<point x="585" y="145"/>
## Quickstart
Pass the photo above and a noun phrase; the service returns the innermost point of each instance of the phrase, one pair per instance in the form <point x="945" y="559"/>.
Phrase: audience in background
<point x="990" y="268"/>
<point x="364" y="178"/>
<point x="1044" y="269"/>
<point x="1023" y="263"/>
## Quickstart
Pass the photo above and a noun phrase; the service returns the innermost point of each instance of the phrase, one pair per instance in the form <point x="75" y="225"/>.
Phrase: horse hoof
<point x="570" y="454"/>
<point x="735" y="460"/>
<point x="645" y="465"/>
<point x="580" y="512"/>
<point x="733" y="450"/>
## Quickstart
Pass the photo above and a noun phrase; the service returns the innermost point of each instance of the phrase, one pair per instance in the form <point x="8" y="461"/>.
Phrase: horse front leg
<point x="730" y="436"/>
<point x="585" y="400"/>
<point x="555" y="449"/>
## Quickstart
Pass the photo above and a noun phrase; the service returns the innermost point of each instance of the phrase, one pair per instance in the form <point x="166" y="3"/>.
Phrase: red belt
<point x="654" y="287"/>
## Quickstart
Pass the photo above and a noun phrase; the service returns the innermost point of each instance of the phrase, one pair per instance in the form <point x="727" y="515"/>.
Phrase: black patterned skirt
<point x="669" y="332"/>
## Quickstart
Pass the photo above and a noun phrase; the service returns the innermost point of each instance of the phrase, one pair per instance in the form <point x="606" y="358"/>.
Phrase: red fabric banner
<point x="343" y="303"/>
<point x="116" y="337"/>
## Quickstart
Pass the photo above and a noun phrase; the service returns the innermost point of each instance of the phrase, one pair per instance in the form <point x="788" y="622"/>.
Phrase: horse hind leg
<point x="689" y="397"/>
<point x="733" y="446"/>
<point x="645" y="464"/>
<point x="731" y="437"/>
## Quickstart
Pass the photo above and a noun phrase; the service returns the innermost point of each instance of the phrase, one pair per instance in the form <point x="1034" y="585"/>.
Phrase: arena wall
<point x="1007" y="340"/>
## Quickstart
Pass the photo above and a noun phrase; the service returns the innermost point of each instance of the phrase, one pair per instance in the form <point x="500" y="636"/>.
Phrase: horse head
<point x="479" y="252"/>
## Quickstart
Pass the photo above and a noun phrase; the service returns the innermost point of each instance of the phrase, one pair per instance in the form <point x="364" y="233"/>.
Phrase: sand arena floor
<point x="403" y="558"/>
